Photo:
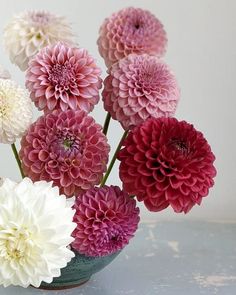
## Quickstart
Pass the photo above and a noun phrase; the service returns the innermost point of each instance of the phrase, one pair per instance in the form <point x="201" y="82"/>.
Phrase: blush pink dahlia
<point x="63" y="77"/>
<point x="67" y="148"/>
<point x="106" y="220"/>
<point x="131" y="30"/>
<point x="139" y="87"/>
<point x="167" y="162"/>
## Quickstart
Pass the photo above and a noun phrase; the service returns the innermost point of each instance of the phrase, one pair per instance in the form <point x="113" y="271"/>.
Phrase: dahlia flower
<point x="67" y="148"/>
<point x="131" y="30"/>
<point x="15" y="111"/>
<point x="35" y="230"/>
<point x="30" y="31"/>
<point x="106" y="220"/>
<point x="63" y="77"/>
<point x="4" y="74"/>
<point x="139" y="87"/>
<point x="167" y="162"/>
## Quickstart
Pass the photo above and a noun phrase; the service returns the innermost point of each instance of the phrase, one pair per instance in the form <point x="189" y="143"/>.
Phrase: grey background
<point x="201" y="52"/>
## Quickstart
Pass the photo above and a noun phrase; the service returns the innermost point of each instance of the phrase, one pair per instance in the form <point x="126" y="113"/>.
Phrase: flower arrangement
<point x="62" y="208"/>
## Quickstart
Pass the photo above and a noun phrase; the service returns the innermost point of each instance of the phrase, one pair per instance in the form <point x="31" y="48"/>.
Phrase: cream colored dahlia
<point x="30" y="31"/>
<point x="35" y="231"/>
<point x="15" y="111"/>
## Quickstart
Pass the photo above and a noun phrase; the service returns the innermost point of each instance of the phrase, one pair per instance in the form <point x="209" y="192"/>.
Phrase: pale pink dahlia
<point x="106" y="220"/>
<point x="139" y="87"/>
<point x="67" y="148"/>
<point x="131" y="30"/>
<point x="167" y="162"/>
<point x="63" y="77"/>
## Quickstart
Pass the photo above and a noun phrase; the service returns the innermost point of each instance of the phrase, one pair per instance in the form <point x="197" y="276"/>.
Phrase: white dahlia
<point x="35" y="231"/>
<point x="15" y="111"/>
<point x="30" y="31"/>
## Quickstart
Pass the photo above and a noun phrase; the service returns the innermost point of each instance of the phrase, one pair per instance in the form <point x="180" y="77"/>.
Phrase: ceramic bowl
<point x="78" y="271"/>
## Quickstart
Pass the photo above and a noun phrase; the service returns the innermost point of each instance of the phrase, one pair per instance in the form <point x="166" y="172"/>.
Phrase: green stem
<point x="106" y="123"/>
<point x="113" y="159"/>
<point x="17" y="159"/>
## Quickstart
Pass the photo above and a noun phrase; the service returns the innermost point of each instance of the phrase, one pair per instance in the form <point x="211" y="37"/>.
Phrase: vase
<point x="78" y="271"/>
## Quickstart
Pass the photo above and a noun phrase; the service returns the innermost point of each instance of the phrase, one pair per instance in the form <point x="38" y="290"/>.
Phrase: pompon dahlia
<point x="30" y="31"/>
<point x="131" y="30"/>
<point x="167" y="162"/>
<point x="106" y="218"/>
<point x="63" y="77"/>
<point x="67" y="148"/>
<point x="139" y="87"/>
<point x="35" y="230"/>
<point x="15" y="111"/>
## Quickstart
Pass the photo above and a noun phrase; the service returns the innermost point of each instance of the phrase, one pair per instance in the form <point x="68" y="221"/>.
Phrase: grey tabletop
<point x="165" y="258"/>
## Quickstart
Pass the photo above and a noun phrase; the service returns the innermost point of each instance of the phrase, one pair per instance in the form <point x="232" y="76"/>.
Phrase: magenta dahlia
<point x="139" y="87"/>
<point x="131" y="30"/>
<point x="106" y="218"/>
<point x="67" y="148"/>
<point x="167" y="162"/>
<point x="63" y="77"/>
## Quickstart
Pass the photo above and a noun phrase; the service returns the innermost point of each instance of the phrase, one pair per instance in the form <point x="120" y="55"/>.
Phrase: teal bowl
<point x="78" y="271"/>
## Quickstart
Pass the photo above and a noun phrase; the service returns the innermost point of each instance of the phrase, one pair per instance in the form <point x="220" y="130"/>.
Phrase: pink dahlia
<point x="167" y="162"/>
<point x="139" y="87"/>
<point x="106" y="220"/>
<point x="131" y="30"/>
<point x="63" y="77"/>
<point x="67" y="148"/>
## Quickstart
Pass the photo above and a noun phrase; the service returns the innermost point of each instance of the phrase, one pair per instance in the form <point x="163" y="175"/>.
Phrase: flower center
<point x="112" y="237"/>
<point x="67" y="144"/>
<point x="15" y="243"/>
<point x="180" y="145"/>
<point x="148" y="75"/>
<point x="136" y="22"/>
<point x="4" y="106"/>
<point x="15" y="253"/>
<point x="61" y="75"/>
<point x="137" y="25"/>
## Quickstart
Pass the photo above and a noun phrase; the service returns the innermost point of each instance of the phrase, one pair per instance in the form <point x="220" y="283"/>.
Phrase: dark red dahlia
<point x="167" y="162"/>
